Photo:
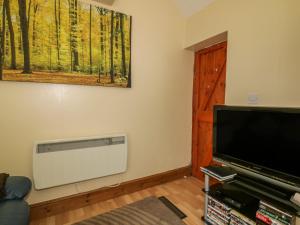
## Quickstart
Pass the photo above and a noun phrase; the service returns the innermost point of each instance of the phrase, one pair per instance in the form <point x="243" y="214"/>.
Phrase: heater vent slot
<point x="74" y="145"/>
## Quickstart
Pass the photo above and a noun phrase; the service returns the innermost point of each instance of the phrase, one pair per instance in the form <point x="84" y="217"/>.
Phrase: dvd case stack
<point x="221" y="173"/>
<point x="217" y="212"/>
<point x="237" y="218"/>
<point x="268" y="214"/>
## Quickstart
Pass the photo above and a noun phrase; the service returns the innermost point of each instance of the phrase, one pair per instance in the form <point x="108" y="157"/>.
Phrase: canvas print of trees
<point x="64" y="41"/>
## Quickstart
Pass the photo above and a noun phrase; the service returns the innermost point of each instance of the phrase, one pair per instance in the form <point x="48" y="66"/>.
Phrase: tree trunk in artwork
<point x="112" y="48"/>
<point x="28" y="13"/>
<point x="103" y="39"/>
<point x="129" y="76"/>
<point x="90" y="37"/>
<point x="6" y="52"/>
<point x="129" y="69"/>
<point x="2" y="43"/>
<point x="57" y="30"/>
<point x="117" y="28"/>
<point x="59" y="33"/>
<point x="34" y="33"/>
<point x="74" y="31"/>
<point x="70" y="37"/>
<point x="13" y="64"/>
<point x="49" y="47"/>
<point x="59" y="16"/>
<point x="123" y="45"/>
<point x="25" y="39"/>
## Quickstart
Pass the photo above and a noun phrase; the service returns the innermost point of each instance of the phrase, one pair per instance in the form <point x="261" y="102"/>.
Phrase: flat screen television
<point x="259" y="140"/>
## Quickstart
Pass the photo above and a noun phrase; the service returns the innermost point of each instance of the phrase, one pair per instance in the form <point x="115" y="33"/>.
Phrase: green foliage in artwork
<point x="68" y="36"/>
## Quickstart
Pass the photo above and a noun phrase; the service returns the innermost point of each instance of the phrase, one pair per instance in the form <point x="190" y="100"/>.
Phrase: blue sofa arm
<point x="17" y="187"/>
<point x="14" y="212"/>
<point x="13" y="209"/>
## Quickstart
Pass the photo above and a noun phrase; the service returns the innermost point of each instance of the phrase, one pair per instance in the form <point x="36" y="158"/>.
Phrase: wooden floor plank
<point x="185" y="193"/>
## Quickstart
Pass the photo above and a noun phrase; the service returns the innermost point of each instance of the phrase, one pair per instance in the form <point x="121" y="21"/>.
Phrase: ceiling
<point x="189" y="7"/>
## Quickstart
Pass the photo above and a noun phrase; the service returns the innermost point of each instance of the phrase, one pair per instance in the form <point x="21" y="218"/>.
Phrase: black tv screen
<point x="266" y="140"/>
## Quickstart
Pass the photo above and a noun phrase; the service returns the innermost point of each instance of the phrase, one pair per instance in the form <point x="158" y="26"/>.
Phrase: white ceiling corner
<point x="189" y="7"/>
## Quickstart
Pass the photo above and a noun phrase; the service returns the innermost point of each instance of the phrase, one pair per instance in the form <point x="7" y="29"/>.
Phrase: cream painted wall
<point x="263" y="47"/>
<point x="155" y="112"/>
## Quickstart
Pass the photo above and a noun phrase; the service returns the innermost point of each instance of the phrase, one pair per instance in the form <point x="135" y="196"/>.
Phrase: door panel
<point x="209" y="90"/>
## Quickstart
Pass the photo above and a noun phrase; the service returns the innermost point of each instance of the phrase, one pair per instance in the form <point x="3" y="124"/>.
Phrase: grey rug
<point x="149" y="211"/>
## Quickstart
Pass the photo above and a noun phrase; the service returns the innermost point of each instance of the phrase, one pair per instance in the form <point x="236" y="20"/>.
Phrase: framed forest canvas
<point x="64" y="41"/>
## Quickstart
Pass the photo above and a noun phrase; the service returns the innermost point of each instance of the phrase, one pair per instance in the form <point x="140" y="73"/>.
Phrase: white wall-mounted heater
<point x="68" y="161"/>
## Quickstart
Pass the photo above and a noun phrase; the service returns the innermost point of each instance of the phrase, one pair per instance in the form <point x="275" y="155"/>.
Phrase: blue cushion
<point x="14" y="212"/>
<point x="17" y="187"/>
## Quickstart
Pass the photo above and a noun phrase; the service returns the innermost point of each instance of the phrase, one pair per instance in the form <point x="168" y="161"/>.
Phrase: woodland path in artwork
<point x="62" y="78"/>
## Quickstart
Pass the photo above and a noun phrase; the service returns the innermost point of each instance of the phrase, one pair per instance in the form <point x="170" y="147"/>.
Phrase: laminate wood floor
<point x="185" y="193"/>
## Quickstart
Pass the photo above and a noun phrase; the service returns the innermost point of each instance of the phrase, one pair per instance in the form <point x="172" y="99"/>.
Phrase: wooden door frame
<point x="194" y="113"/>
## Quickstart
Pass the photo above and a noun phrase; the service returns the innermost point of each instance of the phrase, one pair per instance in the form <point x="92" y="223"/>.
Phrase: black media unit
<point x="244" y="195"/>
<point x="260" y="144"/>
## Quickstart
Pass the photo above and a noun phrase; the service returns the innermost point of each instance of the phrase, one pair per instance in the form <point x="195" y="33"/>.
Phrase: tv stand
<point x="263" y="187"/>
<point x="246" y="195"/>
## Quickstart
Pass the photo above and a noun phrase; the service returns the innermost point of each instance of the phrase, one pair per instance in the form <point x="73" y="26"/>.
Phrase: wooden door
<point x="209" y="89"/>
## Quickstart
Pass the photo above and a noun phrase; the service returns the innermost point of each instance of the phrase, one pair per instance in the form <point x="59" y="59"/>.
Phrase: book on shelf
<point x="276" y="214"/>
<point x="219" y="205"/>
<point x="263" y="218"/>
<point x="221" y="173"/>
<point x="217" y="212"/>
<point x="275" y="217"/>
<point x="212" y="222"/>
<point x="267" y="219"/>
<point x="239" y="219"/>
<point x="214" y="217"/>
